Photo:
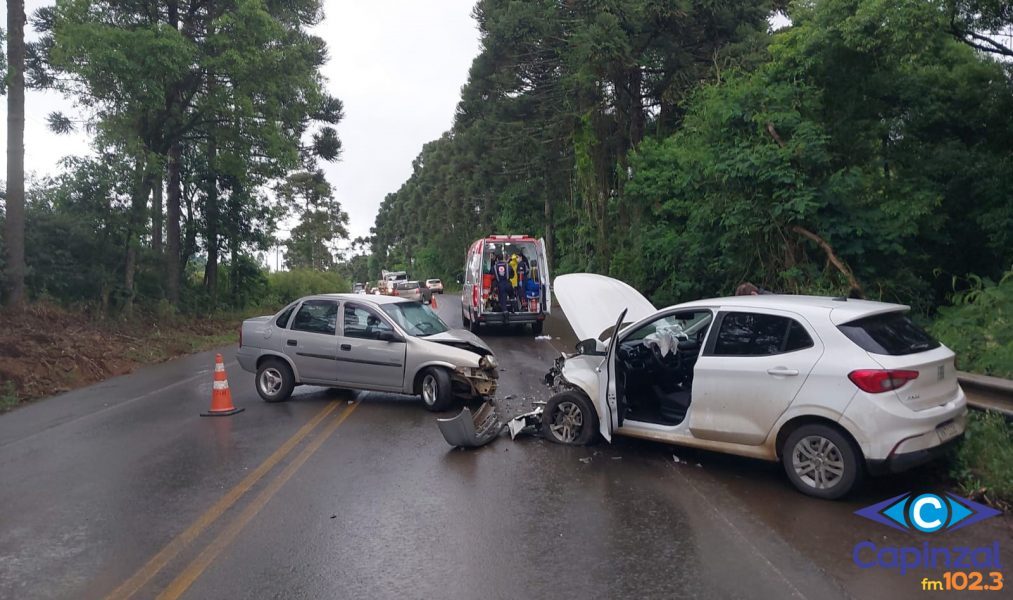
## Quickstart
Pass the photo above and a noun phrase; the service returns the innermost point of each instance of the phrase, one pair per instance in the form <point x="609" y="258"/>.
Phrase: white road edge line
<point x="756" y="551"/>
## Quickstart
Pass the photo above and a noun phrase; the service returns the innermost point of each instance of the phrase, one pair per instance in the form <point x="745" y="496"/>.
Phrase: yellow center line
<point x="196" y="568"/>
<point x="143" y="575"/>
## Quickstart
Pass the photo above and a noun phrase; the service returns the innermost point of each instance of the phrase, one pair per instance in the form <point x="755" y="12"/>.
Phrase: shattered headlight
<point x="488" y="362"/>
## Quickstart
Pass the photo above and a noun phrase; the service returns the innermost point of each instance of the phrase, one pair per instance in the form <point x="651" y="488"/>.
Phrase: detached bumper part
<point x="468" y="430"/>
<point x="471" y="431"/>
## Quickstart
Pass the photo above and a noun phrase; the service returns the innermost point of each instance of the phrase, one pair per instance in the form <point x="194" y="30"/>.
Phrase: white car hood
<point x="592" y="303"/>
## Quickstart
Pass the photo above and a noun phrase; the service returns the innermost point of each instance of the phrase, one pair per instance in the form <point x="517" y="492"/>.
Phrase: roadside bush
<point x="286" y="286"/>
<point x="983" y="463"/>
<point x="979" y="326"/>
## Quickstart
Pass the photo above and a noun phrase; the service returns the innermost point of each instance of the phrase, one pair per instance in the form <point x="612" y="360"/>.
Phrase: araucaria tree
<point x="210" y="100"/>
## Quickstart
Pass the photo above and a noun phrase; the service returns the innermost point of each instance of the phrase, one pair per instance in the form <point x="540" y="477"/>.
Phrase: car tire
<point x="473" y="325"/>
<point x="465" y="320"/>
<point x="537" y="327"/>
<point x="434" y="388"/>
<point x="821" y="461"/>
<point x="569" y="418"/>
<point x="275" y="380"/>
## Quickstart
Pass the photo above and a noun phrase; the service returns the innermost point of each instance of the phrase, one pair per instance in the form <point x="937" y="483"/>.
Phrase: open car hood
<point x="460" y="338"/>
<point x="592" y="303"/>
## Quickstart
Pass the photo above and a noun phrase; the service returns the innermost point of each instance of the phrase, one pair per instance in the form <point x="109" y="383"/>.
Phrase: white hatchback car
<point x="830" y="387"/>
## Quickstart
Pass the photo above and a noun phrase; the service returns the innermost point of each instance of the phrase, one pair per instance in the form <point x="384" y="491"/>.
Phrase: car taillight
<point x="474" y="295"/>
<point x="876" y="381"/>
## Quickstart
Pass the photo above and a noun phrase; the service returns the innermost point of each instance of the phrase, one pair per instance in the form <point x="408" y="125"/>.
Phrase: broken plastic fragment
<point x="522" y="422"/>
<point x="675" y="458"/>
<point x="543" y="337"/>
<point x="585" y="460"/>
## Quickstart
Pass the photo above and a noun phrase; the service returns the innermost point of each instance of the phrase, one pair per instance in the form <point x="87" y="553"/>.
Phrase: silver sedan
<point x="379" y="343"/>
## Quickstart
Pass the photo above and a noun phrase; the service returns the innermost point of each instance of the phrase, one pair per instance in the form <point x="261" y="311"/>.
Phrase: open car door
<point x="543" y="273"/>
<point x="611" y="402"/>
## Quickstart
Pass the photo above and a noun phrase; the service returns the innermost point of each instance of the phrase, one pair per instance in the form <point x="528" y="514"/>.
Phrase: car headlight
<point x="488" y="362"/>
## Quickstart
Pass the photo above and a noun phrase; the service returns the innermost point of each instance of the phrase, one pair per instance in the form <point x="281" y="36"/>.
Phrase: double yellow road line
<point x="197" y="566"/>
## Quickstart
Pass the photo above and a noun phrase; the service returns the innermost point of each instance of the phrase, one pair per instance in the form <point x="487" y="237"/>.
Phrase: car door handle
<point x="292" y="343"/>
<point x="782" y="371"/>
<point x="346" y="346"/>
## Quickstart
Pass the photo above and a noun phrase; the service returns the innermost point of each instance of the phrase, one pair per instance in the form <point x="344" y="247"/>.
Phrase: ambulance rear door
<point x="543" y="274"/>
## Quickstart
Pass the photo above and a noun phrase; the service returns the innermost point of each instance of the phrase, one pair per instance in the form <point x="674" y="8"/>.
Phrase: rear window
<point x="892" y="333"/>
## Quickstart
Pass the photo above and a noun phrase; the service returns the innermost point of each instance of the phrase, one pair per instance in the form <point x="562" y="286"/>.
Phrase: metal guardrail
<point x="987" y="393"/>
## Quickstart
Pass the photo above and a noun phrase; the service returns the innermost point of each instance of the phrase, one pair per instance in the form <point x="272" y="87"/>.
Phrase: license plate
<point x="948" y="431"/>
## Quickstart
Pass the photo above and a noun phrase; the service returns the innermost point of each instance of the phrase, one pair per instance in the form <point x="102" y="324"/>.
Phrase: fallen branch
<point x="773" y="133"/>
<point x="856" y="288"/>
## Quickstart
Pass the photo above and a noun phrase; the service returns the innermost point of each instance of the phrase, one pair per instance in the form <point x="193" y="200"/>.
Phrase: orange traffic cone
<point x="221" y="396"/>
<point x="432" y="301"/>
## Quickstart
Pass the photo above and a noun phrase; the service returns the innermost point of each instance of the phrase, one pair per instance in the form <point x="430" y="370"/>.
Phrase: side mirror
<point x="388" y="336"/>
<point x="460" y="278"/>
<point x="588" y="346"/>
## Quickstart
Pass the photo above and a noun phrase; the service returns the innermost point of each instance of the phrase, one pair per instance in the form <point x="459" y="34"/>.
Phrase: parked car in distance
<point x="830" y="387"/>
<point x="408" y="289"/>
<point x="359" y="288"/>
<point x="435" y="285"/>
<point x="354" y="341"/>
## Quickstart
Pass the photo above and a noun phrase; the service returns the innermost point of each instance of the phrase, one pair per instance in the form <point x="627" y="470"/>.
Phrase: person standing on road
<point x="501" y="275"/>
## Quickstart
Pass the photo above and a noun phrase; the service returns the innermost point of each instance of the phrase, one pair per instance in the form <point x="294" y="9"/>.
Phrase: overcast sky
<point x="398" y="66"/>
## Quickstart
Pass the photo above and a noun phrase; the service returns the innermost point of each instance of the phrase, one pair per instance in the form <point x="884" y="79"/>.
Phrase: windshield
<point x="416" y="319"/>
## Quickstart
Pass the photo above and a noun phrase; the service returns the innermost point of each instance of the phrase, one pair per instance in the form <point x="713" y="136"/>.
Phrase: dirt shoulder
<point x="46" y="350"/>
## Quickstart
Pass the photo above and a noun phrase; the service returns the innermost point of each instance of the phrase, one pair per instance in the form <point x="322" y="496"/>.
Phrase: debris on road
<point x="543" y="337"/>
<point x="472" y="431"/>
<point x="675" y="458"/>
<point x="468" y="430"/>
<point x="586" y="461"/>
<point x="528" y="421"/>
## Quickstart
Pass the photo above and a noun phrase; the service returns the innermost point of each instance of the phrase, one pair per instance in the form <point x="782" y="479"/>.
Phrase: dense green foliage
<point x="983" y="462"/>
<point x="285" y="286"/>
<point x="685" y="148"/>
<point x="209" y="118"/>
<point x="979" y="326"/>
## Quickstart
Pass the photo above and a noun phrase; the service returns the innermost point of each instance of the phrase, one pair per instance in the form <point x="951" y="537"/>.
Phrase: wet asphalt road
<point x="121" y="490"/>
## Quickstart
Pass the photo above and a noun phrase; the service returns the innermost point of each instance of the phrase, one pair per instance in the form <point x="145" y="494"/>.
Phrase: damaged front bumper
<point x="469" y="382"/>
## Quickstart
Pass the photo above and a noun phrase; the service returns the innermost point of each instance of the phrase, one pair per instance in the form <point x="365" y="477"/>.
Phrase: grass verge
<point x="982" y="465"/>
<point x="47" y="349"/>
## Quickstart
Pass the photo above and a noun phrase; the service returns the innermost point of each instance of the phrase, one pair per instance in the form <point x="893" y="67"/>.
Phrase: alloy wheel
<point x="430" y="390"/>
<point x="818" y="462"/>
<point x="270" y="381"/>
<point x="568" y="422"/>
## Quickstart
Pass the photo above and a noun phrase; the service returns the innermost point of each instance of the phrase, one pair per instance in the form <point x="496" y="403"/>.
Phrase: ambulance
<point x="506" y="282"/>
